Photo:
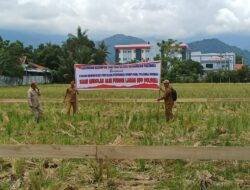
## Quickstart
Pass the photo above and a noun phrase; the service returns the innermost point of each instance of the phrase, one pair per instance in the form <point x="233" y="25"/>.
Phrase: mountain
<point x="120" y="39"/>
<point x="31" y="38"/>
<point x="240" y="40"/>
<point x="216" y="46"/>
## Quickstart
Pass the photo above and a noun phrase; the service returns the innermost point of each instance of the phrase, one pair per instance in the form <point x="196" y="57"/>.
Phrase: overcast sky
<point x="144" y="18"/>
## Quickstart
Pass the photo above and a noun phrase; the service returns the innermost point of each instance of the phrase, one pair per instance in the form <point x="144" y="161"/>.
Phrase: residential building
<point x="215" y="61"/>
<point x="182" y="53"/>
<point x="133" y="53"/>
<point x="32" y="72"/>
<point x="35" y="72"/>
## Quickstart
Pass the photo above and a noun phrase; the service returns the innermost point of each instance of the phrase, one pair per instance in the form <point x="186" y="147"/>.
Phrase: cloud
<point x="225" y="21"/>
<point x="160" y="19"/>
<point x="234" y="18"/>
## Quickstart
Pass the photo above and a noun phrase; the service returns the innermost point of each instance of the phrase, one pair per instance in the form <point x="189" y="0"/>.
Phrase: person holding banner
<point x="168" y="99"/>
<point x="70" y="98"/>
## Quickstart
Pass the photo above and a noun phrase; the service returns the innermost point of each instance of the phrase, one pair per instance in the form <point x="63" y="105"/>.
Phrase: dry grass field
<point x="220" y="123"/>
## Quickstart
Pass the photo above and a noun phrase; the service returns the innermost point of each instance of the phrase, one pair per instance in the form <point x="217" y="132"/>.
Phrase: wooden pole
<point x="108" y="152"/>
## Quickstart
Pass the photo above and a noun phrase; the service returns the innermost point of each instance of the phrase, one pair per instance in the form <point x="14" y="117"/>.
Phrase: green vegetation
<point x="191" y="90"/>
<point x="9" y="58"/>
<point x="60" y="59"/>
<point x="175" y="69"/>
<point x="195" y="124"/>
<point x="178" y="70"/>
<point x="79" y="49"/>
<point x="242" y="75"/>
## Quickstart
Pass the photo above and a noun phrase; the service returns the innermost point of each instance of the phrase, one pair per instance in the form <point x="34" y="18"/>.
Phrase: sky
<point x="144" y="18"/>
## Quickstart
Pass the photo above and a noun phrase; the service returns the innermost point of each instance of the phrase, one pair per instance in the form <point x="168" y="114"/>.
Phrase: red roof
<point x="133" y="46"/>
<point x="238" y="66"/>
<point x="183" y="45"/>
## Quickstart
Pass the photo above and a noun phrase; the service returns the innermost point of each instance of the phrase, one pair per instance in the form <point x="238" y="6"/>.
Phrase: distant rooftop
<point x="184" y="45"/>
<point x="135" y="46"/>
<point x="238" y="66"/>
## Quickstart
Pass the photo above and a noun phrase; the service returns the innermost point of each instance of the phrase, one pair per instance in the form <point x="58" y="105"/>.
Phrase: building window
<point x="209" y="66"/>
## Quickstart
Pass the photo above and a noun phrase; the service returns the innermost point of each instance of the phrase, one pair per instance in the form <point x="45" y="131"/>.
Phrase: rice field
<point x="118" y="123"/>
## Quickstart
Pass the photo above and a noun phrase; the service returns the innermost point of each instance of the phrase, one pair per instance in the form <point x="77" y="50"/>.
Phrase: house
<point x="35" y="72"/>
<point x="183" y="52"/>
<point x="215" y="61"/>
<point x="32" y="72"/>
<point x="133" y="53"/>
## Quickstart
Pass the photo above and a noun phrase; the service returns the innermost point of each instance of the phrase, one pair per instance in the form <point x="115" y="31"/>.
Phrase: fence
<point x="14" y="81"/>
<point x="125" y="152"/>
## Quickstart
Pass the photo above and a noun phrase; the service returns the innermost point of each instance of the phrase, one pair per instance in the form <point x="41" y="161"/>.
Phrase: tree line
<point x="79" y="49"/>
<point x="60" y="59"/>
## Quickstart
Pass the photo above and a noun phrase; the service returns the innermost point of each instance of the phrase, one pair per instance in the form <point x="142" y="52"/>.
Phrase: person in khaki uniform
<point x="33" y="101"/>
<point x="71" y="98"/>
<point x="168" y="99"/>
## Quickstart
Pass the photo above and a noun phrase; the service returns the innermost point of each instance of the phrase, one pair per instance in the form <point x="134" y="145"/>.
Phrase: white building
<point x="133" y="53"/>
<point x="182" y="53"/>
<point x="215" y="61"/>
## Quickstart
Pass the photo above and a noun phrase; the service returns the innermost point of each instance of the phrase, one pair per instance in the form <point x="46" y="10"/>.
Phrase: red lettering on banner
<point x="131" y="80"/>
<point x="139" y="80"/>
<point x="118" y="80"/>
<point x="85" y="81"/>
<point x="108" y="80"/>
<point x="150" y="80"/>
<point x="96" y="81"/>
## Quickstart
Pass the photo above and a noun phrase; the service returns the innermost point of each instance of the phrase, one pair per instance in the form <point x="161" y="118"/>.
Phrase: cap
<point x="33" y="82"/>
<point x="165" y="81"/>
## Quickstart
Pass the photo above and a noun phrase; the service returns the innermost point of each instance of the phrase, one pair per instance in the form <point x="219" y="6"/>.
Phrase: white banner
<point x="144" y="75"/>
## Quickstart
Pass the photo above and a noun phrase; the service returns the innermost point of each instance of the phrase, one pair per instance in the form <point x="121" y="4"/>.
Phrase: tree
<point x="10" y="54"/>
<point x="167" y="51"/>
<point x="101" y="53"/>
<point x="184" y="71"/>
<point x="174" y="68"/>
<point x="242" y="75"/>
<point x="167" y="48"/>
<point x="239" y="59"/>
<point x="48" y="55"/>
<point x="78" y="49"/>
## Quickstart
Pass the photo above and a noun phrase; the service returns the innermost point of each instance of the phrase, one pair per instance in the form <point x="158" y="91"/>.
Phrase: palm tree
<point x="80" y="39"/>
<point x="101" y="53"/>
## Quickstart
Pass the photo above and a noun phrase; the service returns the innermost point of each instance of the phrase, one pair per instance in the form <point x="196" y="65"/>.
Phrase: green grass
<point x="195" y="124"/>
<point x="191" y="90"/>
<point x="103" y="123"/>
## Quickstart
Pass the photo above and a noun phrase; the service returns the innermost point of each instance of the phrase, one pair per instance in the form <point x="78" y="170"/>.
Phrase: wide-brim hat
<point x="166" y="82"/>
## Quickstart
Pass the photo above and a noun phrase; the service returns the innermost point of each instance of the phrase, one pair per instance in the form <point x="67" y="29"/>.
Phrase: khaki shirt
<point x="33" y="98"/>
<point x="168" y="97"/>
<point x="71" y="94"/>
